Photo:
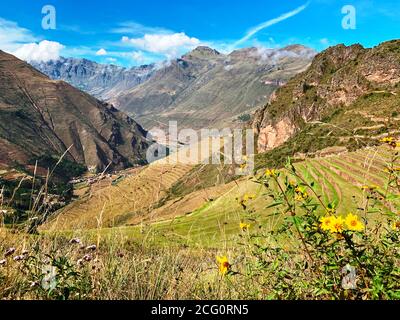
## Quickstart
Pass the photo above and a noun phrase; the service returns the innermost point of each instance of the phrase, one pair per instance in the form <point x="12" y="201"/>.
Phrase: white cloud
<point x="22" y="43"/>
<point x="270" y="23"/>
<point x="42" y="51"/>
<point x="273" y="56"/>
<point x="170" y="45"/>
<point x="13" y="36"/>
<point x="138" y="56"/>
<point x="101" y="52"/>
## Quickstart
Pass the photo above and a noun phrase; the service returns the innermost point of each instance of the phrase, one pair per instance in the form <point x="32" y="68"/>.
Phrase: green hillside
<point x="339" y="180"/>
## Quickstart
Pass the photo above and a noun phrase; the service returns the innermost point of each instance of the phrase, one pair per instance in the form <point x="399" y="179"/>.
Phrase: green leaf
<point x="274" y="204"/>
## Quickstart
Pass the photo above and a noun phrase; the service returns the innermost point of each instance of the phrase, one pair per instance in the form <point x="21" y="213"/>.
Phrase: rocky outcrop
<point x="276" y="134"/>
<point x="337" y="78"/>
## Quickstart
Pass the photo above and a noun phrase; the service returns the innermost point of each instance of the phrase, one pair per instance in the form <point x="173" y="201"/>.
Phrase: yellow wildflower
<point x="353" y="223"/>
<point x="391" y="141"/>
<point x="271" y="173"/>
<point x="327" y="223"/>
<point x="338" y="225"/>
<point x="332" y="224"/>
<point x="299" y="197"/>
<point x="244" y="226"/>
<point x="392" y="170"/>
<point x="248" y="197"/>
<point x="301" y="194"/>
<point x="396" y="225"/>
<point x="369" y="188"/>
<point x="387" y="139"/>
<point x="223" y="265"/>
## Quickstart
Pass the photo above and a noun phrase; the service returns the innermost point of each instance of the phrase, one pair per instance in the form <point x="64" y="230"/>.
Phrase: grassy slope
<point x="214" y="223"/>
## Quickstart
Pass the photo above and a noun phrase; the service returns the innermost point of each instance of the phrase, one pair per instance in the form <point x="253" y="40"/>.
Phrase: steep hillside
<point x="40" y="117"/>
<point x="101" y="81"/>
<point x="348" y="97"/>
<point x="206" y="88"/>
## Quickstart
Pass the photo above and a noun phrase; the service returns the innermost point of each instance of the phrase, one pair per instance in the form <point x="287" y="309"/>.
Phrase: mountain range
<point x="98" y="80"/>
<point x="203" y="88"/>
<point x="343" y="99"/>
<point x="339" y="98"/>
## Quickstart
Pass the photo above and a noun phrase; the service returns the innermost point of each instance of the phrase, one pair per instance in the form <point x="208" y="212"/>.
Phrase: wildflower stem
<point x="293" y="214"/>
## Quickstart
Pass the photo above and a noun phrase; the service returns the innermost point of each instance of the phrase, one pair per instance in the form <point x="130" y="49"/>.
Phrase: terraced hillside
<point x="126" y="200"/>
<point x="116" y="204"/>
<point x="338" y="178"/>
<point x="211" y="216"/>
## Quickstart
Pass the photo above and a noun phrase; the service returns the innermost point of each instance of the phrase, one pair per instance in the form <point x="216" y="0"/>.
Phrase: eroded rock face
<point x="337" y="77"/>
<point x="275" y="135"/>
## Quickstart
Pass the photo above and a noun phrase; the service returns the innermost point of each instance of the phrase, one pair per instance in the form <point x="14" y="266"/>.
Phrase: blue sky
<point x="136" y="32"/>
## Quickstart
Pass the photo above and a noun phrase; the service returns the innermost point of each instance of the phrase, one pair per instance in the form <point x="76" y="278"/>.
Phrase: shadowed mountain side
<point x="39" y="116"/>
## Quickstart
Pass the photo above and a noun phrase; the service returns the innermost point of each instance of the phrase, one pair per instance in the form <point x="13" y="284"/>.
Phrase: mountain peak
<point x="295" y="47"/>
<point x="203" y="51"/>
<point x="339" y="54"/>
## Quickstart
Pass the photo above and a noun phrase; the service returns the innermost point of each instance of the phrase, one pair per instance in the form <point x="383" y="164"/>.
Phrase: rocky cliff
<point x="349" y="88"/>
